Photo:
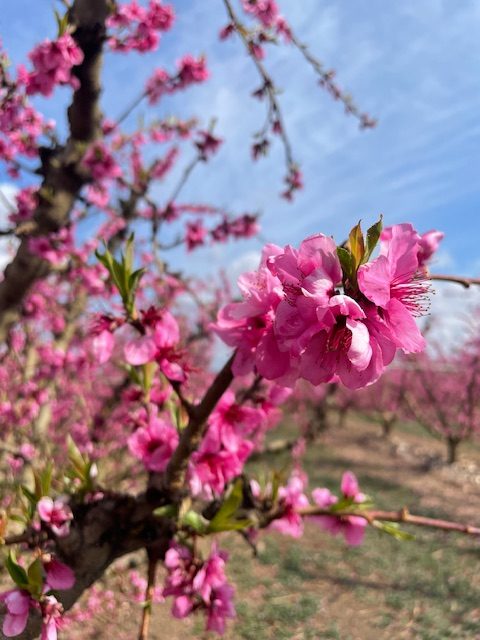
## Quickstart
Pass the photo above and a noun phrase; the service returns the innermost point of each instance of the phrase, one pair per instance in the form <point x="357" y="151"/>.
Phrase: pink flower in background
<point x="351" y="527"/>
<point x="195" y="584"/>
<point x="195" y="234"/>
<point x="192" y="70"/>
<point x="99" y="160"/>
<point x="17" y="603"/>
<point x="154" y="443"/>
<point x="220" y="608"/>
<point x="56" y="514"/>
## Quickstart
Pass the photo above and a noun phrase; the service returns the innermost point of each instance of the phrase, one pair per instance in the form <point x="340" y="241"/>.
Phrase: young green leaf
<point x="17" y="573"/>
<point x="373" y="235"/>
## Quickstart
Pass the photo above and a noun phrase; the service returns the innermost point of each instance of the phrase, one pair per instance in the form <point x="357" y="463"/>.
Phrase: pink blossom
<point x="159" y="343"/>
<point x="56" y="514"/>
<point x="17" y="603"/>
<point x="154" y="443"/>
<point x="102" y="346"/>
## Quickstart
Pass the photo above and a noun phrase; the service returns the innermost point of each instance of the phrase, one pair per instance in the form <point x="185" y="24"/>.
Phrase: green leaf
<point x="373" y="235"/>
<point x="167" y="511"/>
<point x="230" y="525"/>
<point x="29" y="495"/>
<point x="392" y="529"/>
<point x="46" y="479"/>
<point x="17" y="573"/>
<point x="195" y="521"/>
<point x="62" y="23"/>
<point x="347" y="263"/>
<point x="35" y="574"/>
<point x="128" y="257"/>
<point x="224" y="519"/>
<point x="356" y="244"/>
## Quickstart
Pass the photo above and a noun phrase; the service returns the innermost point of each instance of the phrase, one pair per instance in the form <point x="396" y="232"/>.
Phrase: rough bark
<point x="63" y="176"/>
<point x="101" y="533"/>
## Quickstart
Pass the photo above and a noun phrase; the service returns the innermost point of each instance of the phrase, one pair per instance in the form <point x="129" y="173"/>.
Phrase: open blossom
<point x="56" y="514"/>
<point x="154" y="443"/>
<point x="17" y="603"/>
<point x="160" y="343"/>
<point x="393" y="283"/>
<point x="351" y="527"/>
<point x="294" y="321"/>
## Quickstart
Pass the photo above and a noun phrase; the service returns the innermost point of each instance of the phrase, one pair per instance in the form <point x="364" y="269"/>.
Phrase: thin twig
<point x="465" y="282"/>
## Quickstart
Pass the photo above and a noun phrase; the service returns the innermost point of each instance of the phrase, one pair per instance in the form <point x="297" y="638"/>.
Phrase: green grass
<point x="428" y="588"/>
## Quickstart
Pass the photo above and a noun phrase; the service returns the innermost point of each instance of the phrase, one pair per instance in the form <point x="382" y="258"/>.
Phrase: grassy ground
<point x="428" y="589"/>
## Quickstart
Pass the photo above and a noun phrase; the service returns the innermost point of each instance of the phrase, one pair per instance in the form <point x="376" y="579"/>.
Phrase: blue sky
<point x="412" y="64"/>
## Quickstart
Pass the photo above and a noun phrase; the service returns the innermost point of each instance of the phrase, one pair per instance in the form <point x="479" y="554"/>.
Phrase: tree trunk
<point x="452" y="450"/>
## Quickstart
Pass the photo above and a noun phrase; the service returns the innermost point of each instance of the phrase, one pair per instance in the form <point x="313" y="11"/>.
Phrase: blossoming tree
<point x="116" y="435"/>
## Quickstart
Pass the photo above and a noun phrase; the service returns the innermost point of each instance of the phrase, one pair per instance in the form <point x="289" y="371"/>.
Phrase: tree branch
<point x="63" y="177"/>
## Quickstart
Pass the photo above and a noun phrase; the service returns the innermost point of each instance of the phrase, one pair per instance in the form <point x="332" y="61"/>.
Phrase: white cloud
<point x="7" y="203"/>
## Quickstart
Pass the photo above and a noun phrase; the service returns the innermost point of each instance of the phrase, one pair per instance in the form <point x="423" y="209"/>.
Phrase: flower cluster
<point x="199" y="585"/>
<point x="100" y="163"/>
<point x="190" y="70"/>
<point x="295" y="322"/>
<point x="351" y="527"/>
<point x="18" y="602"/>
<point x="52" y="65"/>
<point x="138" y="27"/>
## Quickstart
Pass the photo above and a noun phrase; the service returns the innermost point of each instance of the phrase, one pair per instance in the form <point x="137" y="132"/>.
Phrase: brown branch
<point x="401" y="516"/>
<point x="149" y="593"/>
<point x="192" y="434"/>
<point x="102" y="532"/>
<point x="275" y="112"/>
<point x="465" y="282"/>
<point x="63" y="176"/>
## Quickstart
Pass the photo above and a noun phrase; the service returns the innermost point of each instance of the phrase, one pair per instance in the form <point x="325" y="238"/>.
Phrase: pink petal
<point x="403" y="327"/>
<point x="374" y="280"/>
<point x="140" y="350"/>
<point x="349" y="485"/>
